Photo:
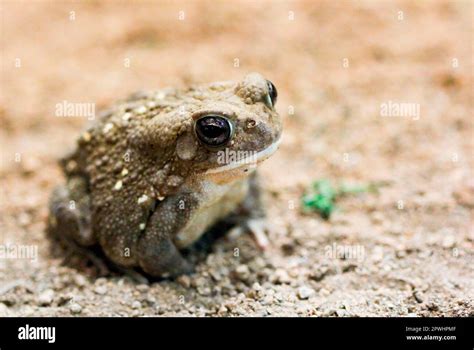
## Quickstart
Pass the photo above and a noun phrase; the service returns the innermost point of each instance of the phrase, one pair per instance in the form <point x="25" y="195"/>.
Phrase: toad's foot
<point x="258" y="229"/>
<point x="75" y="249"/>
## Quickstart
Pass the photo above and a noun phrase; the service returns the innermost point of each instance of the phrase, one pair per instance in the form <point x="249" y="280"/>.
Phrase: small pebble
<point x="46" y="297"/>
<point x="80" y="280"/>
<point x="242" y="272"/>
<point x="342" y="313"/>
<point x="377" y="217"/>
<point x="101" y="290"/>
<point x="118" y="185"/>
<point x="4" y="311"/>
<point x="136" y="305"/>
<point x="184" y="281"/>
<point x="305" y="292"/>
<point x="222" y="310"/>
<point x="418" y="296"/>
<point x="281" y="276"/>
<point x="140" y="110"/>
<point x="143" y="287"/>
<point x="75" y="308"/>
<point x="449" y="241"/>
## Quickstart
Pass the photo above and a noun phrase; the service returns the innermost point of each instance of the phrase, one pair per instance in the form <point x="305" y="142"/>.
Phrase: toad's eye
<point x="272" y="93"/>
<point x="213" y="130"/>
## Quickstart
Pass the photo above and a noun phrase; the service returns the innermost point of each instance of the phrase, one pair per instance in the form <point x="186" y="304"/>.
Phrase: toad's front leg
<point x="250" y="215"/>
<point x="157" y="253"/>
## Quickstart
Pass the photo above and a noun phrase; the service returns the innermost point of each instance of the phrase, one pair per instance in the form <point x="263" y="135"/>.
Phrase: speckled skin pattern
<point x="138" y="183"/>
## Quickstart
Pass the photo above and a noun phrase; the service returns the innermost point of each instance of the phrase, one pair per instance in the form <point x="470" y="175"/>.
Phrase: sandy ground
<point x="408" y="248"/>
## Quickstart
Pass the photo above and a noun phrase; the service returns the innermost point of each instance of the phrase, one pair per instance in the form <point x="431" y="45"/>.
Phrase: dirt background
<point x="334" y="64"/>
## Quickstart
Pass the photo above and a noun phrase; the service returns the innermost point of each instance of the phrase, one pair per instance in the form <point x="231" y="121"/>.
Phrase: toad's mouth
<point x="248" y="162"/>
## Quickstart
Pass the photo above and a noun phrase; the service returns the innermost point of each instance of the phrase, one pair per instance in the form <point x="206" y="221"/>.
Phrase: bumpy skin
<point x="142" y="185"/>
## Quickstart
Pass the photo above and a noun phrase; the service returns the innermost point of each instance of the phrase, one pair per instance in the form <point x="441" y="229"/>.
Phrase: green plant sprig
<point x="323" y="195"/>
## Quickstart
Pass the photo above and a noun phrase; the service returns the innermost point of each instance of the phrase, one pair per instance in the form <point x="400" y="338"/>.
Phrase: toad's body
<point x="147" y="179"/>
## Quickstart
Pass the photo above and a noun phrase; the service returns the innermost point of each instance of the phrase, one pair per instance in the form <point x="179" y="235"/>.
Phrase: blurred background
<point x="337" y="66"/>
